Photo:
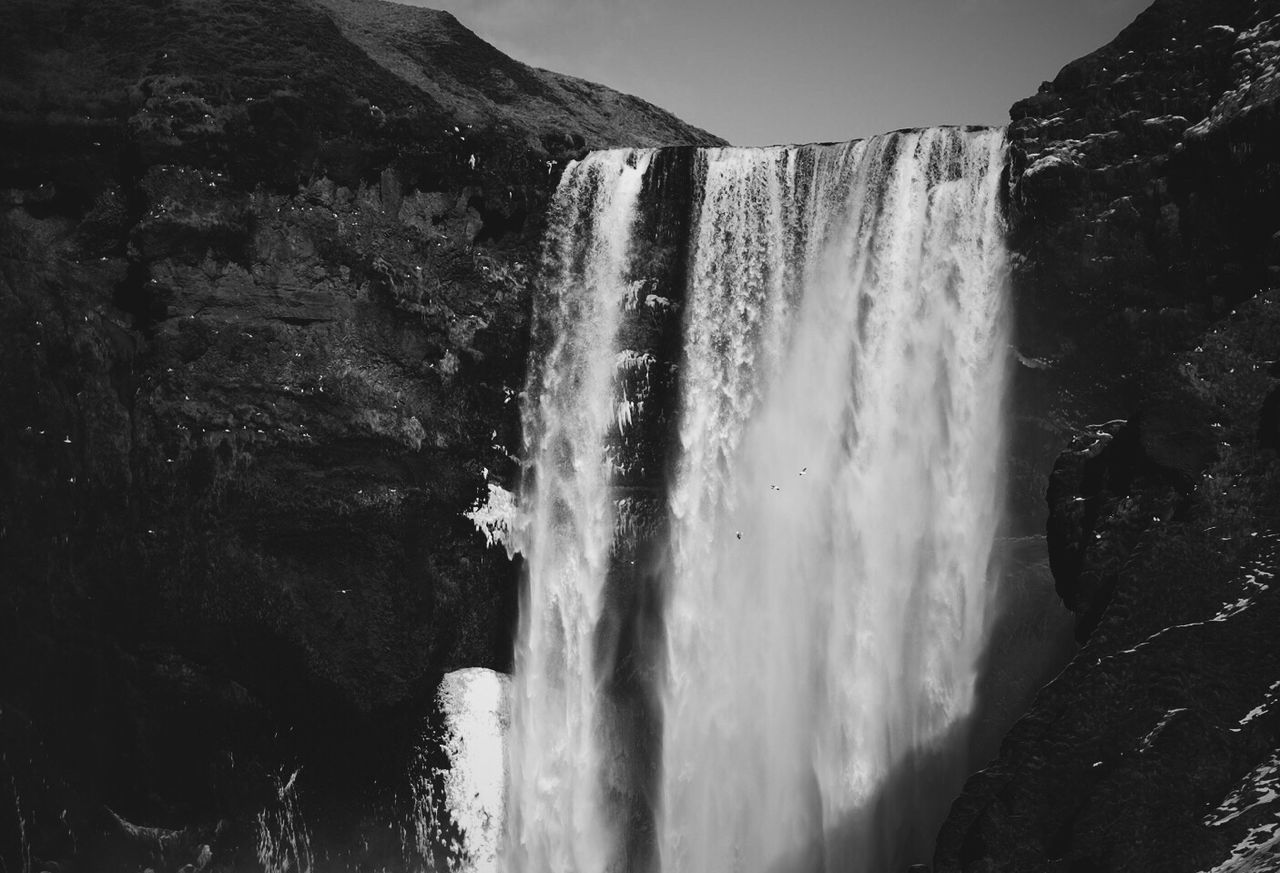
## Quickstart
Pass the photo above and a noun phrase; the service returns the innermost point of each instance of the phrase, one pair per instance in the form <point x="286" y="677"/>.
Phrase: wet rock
<point x="1144" y="289"/>
<point x="1112" y="484"/>
<point x="1132" y="230"/>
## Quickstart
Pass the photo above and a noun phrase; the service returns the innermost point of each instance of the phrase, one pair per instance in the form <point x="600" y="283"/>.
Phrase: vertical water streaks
<point x="284" y="840"/>
<point x="558" y="817"/>
<point x="836" y="502"/>
<point x="745" y="632"/>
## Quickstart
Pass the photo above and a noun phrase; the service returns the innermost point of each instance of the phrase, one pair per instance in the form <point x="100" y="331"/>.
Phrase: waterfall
<point x="558" y="819"/>
<point x="836" y="497"/>
<point x="828" y="500"/>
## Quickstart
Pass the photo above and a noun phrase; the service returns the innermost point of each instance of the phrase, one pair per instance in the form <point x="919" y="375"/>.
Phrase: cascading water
<point x="830" y="497"/>
<point x="837" y="495"/>
<point x="557" y="817"/>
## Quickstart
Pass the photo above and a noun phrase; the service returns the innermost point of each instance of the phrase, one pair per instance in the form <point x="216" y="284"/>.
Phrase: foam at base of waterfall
<point x="475" y="705"/>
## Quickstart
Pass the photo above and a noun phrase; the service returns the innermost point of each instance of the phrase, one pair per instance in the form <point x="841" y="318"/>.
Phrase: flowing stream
<point x="802" y="496"/>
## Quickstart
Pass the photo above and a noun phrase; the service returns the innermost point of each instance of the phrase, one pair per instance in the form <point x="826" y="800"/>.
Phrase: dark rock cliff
<point x="1143" y="187"/>
<point x="264" y="281"/>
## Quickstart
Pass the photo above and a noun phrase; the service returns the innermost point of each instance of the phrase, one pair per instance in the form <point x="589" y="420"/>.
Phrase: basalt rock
<point x="263" y="321"/>
<point x="1112" y="484"/>
<point x="1141" y="184"/>
<point x="1140" y="194"/>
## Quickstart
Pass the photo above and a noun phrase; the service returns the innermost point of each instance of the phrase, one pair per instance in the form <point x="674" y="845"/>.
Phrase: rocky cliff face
<point x="1147" y="276"/>
<point x="264" y="281"/>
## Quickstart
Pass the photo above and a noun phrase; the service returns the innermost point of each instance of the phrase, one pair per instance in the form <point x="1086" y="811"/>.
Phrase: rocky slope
<point x="264" y="284"/>
<point x="1144" y="180"/>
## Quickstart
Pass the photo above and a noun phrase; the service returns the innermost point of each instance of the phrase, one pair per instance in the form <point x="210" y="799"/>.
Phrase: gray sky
<point x="768" y="71"/>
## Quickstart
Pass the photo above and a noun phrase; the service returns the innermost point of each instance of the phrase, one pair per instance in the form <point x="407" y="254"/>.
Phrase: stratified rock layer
<point x="1143" y="185"/>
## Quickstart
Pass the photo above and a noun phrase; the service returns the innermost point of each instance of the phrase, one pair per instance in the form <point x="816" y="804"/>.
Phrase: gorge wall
<point x="1146" y="261"/>
<point x="264" y="277"/>
<point x="265" y="269"/>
